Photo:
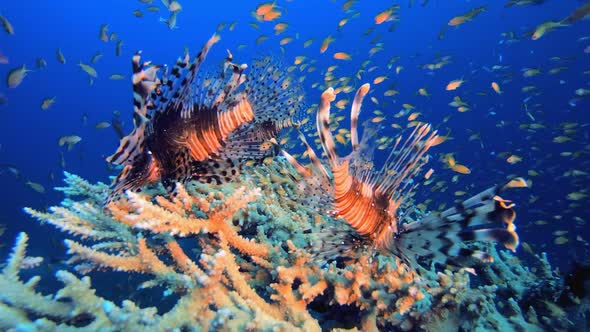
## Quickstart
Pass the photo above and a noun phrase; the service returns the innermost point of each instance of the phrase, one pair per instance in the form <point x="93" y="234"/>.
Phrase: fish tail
<point x="441" y="237"/>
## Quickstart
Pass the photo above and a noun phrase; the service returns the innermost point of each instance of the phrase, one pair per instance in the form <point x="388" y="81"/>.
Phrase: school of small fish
<point x="552" y="152"/>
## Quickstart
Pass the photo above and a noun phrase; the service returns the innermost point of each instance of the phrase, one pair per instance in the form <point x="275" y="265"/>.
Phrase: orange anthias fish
<point x="458" y="20"/>
<point x="513" y="159"/>
<point x="264" y="8"/>
<point x="496" y="88"/>
<point x="454" y="85"/>
<point x="193" y="126"/>
<point x="327" y="41"/>
<point x="267" y="12"/>
<point x="373" y="202"/>
<point x="342" y="56"/>
<point x="386" y="15"/>
<point x="272" y="15"/>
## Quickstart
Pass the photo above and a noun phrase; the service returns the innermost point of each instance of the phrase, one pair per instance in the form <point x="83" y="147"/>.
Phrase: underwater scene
<point x="295" y="165"/>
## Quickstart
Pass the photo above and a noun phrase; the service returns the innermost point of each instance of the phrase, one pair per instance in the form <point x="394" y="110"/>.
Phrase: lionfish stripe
<point x="301" y="170"/>
<point x="132" y="177"/>
<point x="316" y="162"/>
<point x="130" y="148"/>
<point x="207" y="138"/>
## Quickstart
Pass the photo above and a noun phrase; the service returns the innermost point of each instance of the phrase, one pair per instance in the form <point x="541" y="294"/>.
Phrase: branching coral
<point x="236" y="258"/>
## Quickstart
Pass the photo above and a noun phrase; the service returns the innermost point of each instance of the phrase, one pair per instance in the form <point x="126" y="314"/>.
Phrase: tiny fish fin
<point x="440" y="237"/>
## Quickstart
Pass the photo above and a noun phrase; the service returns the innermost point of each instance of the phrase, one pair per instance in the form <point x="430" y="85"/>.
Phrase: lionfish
<point x="193" y="126"/>
<point x="372" y="202"/>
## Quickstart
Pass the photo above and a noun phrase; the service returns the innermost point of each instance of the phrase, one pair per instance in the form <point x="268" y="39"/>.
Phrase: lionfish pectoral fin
<point x="131" y="147"/>
<point x="276" y="97"/>
<point x="334" y="244"/>
<point x="441" y="237"/>
<point x="134" y="176"/>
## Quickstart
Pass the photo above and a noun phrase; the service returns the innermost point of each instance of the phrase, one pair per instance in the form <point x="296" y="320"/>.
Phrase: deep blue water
<point x="29" y="135"/>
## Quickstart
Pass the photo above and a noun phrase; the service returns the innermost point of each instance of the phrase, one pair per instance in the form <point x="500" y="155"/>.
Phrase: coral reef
<point x="236" y="258"/>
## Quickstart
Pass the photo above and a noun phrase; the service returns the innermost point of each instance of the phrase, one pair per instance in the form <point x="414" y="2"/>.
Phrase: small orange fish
<point x="450" y="160"/>
<point x="385" y="16"/>
<point x="280" y="27"/>
<point x="513" y="159"/>
<point x="272" y="15"/>
<point x="342" y="56"/>
<point x="496" y="87"/>
<point x="439" y="140"/>
<point x="413" y="116"/>
<point x="461" y="169"/>
<point x="379" y="79"/>
<point x="326" y="43"/>
<point x="454" y="85"/>
<point x="299" y="59"/>
<point x="458" y="20"/>
<point x="286" y="40"/>
<point x="341" y="104"/>
<point x="264" y="8"/>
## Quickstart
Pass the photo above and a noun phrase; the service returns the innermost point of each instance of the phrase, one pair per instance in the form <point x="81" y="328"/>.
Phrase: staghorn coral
<point x="236" y="258"/>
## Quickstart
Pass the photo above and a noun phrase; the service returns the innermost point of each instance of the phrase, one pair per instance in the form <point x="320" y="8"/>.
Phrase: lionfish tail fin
<point x="441" y="237"/>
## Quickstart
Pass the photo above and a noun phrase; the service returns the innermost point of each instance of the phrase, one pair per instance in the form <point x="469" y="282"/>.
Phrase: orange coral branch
<point x="175" y="217"/>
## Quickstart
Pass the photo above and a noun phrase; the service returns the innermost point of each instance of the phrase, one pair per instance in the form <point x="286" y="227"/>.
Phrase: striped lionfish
<point x="372" y="201"/>
<point x="193" y="126"/>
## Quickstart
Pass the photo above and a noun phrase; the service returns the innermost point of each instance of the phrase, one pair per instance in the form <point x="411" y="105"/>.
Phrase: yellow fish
<point x="89" y="70"/>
